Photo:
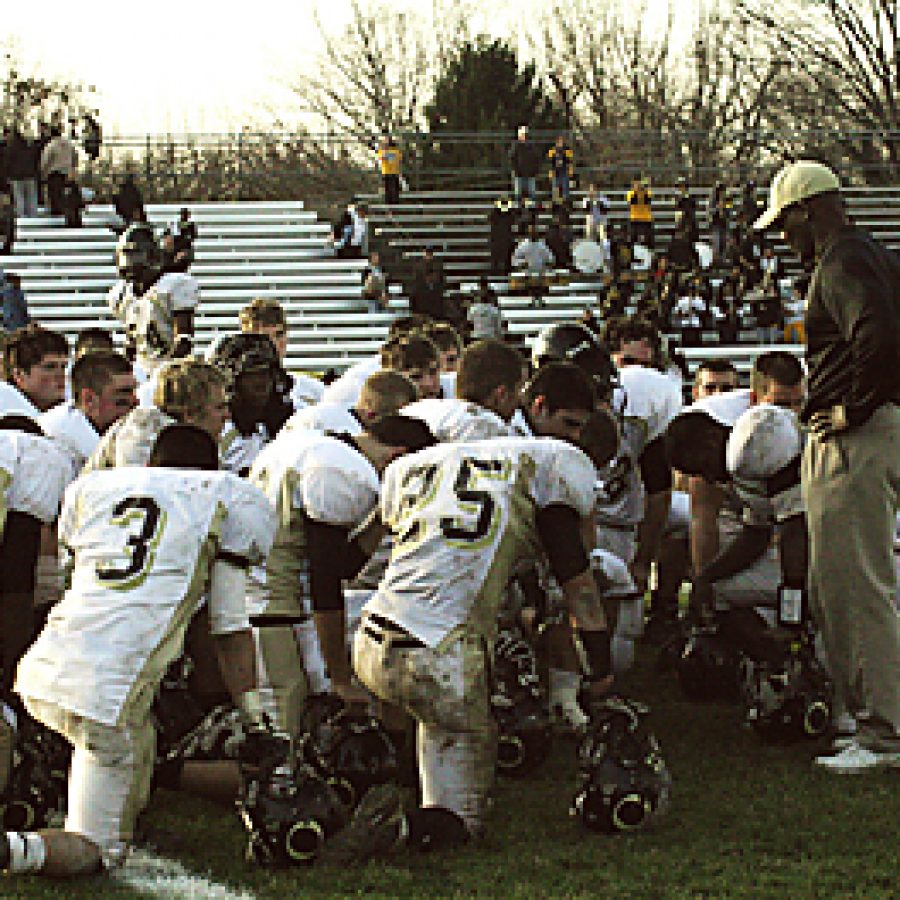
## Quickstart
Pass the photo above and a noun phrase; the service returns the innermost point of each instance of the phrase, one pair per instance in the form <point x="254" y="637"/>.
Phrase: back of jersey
<point x="462" y="515"/>
<point x="141" y="542"/>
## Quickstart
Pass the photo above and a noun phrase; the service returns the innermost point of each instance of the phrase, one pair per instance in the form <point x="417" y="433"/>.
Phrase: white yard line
<point x="157" y="876"/>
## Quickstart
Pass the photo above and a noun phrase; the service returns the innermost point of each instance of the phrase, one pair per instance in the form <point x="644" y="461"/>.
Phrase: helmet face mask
<point x="138" y="255"/>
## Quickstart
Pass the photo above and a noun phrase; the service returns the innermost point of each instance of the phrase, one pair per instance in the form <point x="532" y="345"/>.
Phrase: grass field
<point x="746" y="820"/>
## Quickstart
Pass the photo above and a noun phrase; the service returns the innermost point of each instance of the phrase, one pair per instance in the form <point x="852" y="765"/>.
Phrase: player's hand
<point x="351" y="694"/>
<point x="829" y="422"/>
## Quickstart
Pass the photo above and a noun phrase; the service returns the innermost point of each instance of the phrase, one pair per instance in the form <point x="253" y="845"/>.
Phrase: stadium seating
<point x="280" y="249"/>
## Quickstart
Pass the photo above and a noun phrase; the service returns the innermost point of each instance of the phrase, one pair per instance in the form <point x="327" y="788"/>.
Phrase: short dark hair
<point x="444" y="335"/>
<point x="398" y="430"/>
<point x="486" y="365"/>
<point x="717" y="365"/>
<point x="93" y="338"/>
<point x="563" y="385"/>
<point x="625" y="329"/>
<point x="779" y="366"/>
<point x="29" y="345"/>
<point x="184" y="447"/>
<point x="404" y="325"/>
<point x="693" y="439"/>
<point x="411" y="352"/>
<point x="94" y="370"/>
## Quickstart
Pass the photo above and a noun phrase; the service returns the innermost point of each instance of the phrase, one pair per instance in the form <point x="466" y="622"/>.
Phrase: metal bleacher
<point x="280" y="249"/>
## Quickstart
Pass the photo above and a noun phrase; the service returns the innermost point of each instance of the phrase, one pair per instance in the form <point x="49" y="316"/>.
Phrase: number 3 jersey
<point x="462" y="516"/>
<point x="141" y="542"/>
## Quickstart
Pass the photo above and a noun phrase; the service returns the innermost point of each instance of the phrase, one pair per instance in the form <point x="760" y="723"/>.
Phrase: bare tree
<point x="844" y="76"/>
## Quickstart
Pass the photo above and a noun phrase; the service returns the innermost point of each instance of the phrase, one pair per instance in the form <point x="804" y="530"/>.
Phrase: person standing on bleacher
<point x="59" y="166"/>
<point x="390" y="159"/>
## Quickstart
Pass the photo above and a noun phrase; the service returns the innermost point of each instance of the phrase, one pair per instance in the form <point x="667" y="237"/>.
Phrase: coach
<point x="851" y="462"/>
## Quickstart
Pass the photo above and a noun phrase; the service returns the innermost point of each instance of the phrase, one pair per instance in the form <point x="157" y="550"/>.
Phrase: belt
<point x="390" y="633"/>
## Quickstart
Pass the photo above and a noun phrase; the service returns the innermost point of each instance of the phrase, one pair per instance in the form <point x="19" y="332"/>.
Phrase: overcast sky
<point x="196" y="65"/>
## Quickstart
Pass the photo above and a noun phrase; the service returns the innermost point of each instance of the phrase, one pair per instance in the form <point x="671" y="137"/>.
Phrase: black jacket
<point x="853" y="327"/>
<point x="525" y="158"/>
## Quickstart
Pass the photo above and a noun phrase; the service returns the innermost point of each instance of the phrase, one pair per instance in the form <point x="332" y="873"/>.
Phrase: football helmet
<point x="519" y="706"/>
<point x="788" y="702"/>
<point x="623" y="781"/>
<point x="138" y="255"/>
<point x="573" y="342"/>
<point x="707" y="665"/>
<point x="238" y="353"/>
<point x="287" y="808"/>
<point x="352" y="752"/>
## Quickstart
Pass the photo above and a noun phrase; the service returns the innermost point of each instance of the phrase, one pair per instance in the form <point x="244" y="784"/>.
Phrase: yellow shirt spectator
<point x="639" y="198"/>
<point x="390" y="157"/>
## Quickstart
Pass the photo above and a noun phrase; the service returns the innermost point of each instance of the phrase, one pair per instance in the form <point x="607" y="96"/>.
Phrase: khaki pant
<point x="446" y="691"/>
<point x="851" y="486"/>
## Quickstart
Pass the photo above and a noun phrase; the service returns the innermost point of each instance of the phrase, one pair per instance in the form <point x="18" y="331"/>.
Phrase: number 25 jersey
<point x="141" y="542"/>
<point x="462" y="515"/>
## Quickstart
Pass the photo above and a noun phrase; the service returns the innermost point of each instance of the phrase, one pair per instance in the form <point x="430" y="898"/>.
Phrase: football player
<point x="35" y="361"/>
<point x="322" y="488"/>
<point x="265" y="315"/>
<point x="143" y="544"/>
<point x="383" y="393"/>
<point x="462" y="515"/>
<point x="188" y="392"/>
<point x="34" y="473"/>
<point x="103" y="389"/>
<point x="156" y="310"/>
<point x="416" y="356"/>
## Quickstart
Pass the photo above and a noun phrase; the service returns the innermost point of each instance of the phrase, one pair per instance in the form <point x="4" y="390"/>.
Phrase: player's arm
<point x="561" y="532"/>
<point x="706" y="503"/>
<point x="183" y="332"/>
<point x="656" y="473"/>
<point x="334" y="556"/>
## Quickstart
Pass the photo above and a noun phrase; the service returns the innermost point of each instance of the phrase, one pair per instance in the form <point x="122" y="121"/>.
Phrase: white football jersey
<point x="72" y="431"/>
<point x="725" y="408"/>
<point x="149" y="318"/>
<point x="763" y="459"/>
<point x="316" y="475"/>
<point x="306" y="391"/>
<point x="141" y="544"/>
<point x="347" y="388"/>
<point x="462" y="516"/>
<point x="648" y="400"/>
<point x="34" y="473"/>
<point x="457" y="420"/>
<point x="333" y="417"/>
<point x="237" y="452"/>
<point x="128" y="441"/>
<point x="14" y="402"/>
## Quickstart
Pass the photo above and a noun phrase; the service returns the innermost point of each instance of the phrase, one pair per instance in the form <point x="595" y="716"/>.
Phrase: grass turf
<point x="746" y="819"/>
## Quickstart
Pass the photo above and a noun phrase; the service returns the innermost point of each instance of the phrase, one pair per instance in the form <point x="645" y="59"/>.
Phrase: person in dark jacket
<point x="525" y="161"/>
<point x="427" y="295"/>
<point x="20" y="172"/>
<point x="128" y="202"/>
<point x="7" y="220"/>
<point x="851" y="459"/>
<point x="501" y="219"/>
<point x="15" y="306"/>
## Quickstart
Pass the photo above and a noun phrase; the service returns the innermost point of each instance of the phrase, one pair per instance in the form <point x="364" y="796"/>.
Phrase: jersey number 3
<point x="140" y="545"/>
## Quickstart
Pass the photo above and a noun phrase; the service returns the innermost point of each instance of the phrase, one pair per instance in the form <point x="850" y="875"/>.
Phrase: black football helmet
<point x="238" y="353"/>
<point x="788" y="702"/>
<point x="138" y="255"/>
<point x="352" y="752"/>
<point x="575" y="343"/>
<point x="707" y="665"/>
<point x="623" y="781"/>
<point x="519" y="706"/>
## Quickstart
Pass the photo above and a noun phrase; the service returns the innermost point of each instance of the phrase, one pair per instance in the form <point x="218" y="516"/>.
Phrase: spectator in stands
<point x="375" y="286"/>
<point x="501" y="217"/>
<point x="92" y="136"/>
<point x="559" y="240"/>
<point x="596" y="214"/>
<point x="714" y="376"/>
<point x="525" y="161"/>
<point x="351" y="233"/>
<point x="390" y="161"/>
<point x="59" y="166"/>
<point x="640" y="214"/>
<point x="682" y="252"/>
<point x="726" y="313"/>
<point x="129" y="202"/>
<point x="795" y="311"/>
<point x="427" y="294"/>
<point x="185" y="232"/>
<point x="73" y="203"/>
<point x="177" y="245"/>
<point x="484" y="314"/>
<point x="533" y="255"/>
<point x="20" y="152"/>
<point x="750" y="202"/>
<point x="15" y="306"/>
<point x="620" y="254"/>
<point x="562" y="169"/>
<point x="689" y="315"/>
<point x="767" y="311"/>
<point x="7" y="220"/>
<point x="686" y="205"/>
<point x="35" y="361"/>
<point x="770" y="266"/>
<point x="719" y="215"/>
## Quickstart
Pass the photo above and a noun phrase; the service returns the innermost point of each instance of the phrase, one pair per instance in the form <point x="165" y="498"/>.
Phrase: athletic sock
<point x="27" y="852"/>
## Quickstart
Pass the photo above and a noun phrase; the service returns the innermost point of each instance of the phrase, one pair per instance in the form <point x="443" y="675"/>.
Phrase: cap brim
<point x="769" y="218"/>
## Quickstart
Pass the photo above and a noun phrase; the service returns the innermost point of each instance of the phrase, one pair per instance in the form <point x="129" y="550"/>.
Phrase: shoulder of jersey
<point x="183" y="289"/>
<point x="324" y="417"/>
<point x="725" y="408"/>
<point x="647" y="390"/>
<point x="763" y="441"/>
<point x="14" y="402"/>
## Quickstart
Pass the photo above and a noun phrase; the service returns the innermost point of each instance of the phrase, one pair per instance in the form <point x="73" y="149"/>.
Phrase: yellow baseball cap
<point x="797" y="181"/>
